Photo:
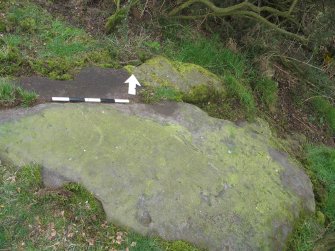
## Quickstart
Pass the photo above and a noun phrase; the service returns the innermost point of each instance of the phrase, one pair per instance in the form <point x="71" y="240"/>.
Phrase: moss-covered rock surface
<point x="167" y="170"/>
<point x="160" y="71"/>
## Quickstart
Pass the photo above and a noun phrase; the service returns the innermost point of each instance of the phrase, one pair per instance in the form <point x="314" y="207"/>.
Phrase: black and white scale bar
<point x="89" y="100"/>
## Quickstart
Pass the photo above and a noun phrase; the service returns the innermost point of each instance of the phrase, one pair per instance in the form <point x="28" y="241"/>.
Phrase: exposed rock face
<point x="168" y="170"/>
<point x="160" y="71"/>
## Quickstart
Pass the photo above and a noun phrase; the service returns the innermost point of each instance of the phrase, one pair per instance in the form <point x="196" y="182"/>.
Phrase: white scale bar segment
<point x="125" y="101"/>
<point x="61" y="99"/>
<point x="93" y="100"/>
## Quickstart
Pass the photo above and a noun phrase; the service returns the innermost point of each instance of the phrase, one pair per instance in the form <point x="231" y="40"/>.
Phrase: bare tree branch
<point x="244" y="9"/>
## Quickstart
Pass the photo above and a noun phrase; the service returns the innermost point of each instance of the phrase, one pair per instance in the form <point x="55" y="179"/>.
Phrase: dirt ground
<point x="91" y="16"/>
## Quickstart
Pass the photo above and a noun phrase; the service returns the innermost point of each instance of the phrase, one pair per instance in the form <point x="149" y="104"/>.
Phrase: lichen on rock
<point x="185" y="77"/>
<point x="167" y="169"/>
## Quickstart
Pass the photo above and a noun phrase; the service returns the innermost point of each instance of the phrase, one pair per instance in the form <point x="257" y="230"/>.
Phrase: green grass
<point x="305" y="235"/>
<point x="242" y="93"/>
<point x="33" y="217"/>
<point x="325" y="111"/>
<point x="156" y="94"/>
<point x="11" y="59"/>
<point x="39" y="43"/>
<point x="7" y="93"/>
<point x="48" y="36"/>
<point x="11" y="95"/>
<point x="267" y="90"/>
<point x="27" y="98"/>
<point x="322" y="163"/>
<point x="313" y="231"/>
<point x="209" y="52"/>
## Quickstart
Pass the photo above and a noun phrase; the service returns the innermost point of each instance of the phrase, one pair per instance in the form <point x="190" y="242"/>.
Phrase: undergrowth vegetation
<point x="321" y="161"/>
<point x="68" y="218"/>
<point x="34" y="41"/>
<point x="309" y="233"/>
<point x="11" y="95"/>
<point x="325" y="111"/>
<point x="316" y="91"/>
<point x="236" y="72"/>
<point x="156" y="94"/>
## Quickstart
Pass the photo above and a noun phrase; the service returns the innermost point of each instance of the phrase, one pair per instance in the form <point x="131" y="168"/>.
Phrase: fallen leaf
<point x="53" y="233"/>
<point x="91" y="242"/>
<point x="11" y="179"/>
<point x="104" y="225"/>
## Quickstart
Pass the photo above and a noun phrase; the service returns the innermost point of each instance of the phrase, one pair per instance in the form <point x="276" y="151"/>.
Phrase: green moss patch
<point x="160" y="71"/>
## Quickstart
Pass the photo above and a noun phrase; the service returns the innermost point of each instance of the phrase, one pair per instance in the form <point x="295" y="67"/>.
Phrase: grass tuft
<point x="11" y="95"/>
<point x="10" y="59"/>
<point x="7" y="93"/>
<point x="325" y="110"/>
<point x="155" y="94"/>
<point x="267" y="89"/>
<point x="241" y="92"/>
<point x="210" y="53"/>
<point x="312" y="232"/>
<point x="27" y="98"/>
<point x="305" y="234"/>
<point x="322" y="163"/>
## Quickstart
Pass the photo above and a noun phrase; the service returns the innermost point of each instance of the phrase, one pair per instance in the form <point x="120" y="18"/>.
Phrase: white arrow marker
<point x="132" y="81"/>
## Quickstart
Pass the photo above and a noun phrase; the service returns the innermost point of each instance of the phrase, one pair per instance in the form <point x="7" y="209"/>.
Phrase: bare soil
<point x="90" y="14"/>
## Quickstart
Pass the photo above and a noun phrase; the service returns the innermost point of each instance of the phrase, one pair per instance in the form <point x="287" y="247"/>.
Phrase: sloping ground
<point x="167" y="170"/>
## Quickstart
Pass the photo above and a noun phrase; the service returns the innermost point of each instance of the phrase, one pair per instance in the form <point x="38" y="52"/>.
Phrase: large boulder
<point x="185" y="77"/>
<point x="168" y="170"/>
